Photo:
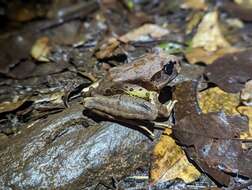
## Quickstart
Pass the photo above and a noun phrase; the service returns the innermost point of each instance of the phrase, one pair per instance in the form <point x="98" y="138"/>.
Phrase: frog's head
<point x="170" y="67"/>
<point x="152" y="71"/>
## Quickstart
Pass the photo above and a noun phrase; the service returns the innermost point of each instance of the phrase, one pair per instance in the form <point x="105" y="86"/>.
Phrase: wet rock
<point x="63" y="152"/>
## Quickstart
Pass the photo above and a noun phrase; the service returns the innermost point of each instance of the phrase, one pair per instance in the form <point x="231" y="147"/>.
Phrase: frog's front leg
<point x="164" y="110"/>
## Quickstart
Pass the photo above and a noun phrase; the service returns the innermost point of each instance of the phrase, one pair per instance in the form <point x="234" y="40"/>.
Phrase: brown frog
<point x="131" y="91"/>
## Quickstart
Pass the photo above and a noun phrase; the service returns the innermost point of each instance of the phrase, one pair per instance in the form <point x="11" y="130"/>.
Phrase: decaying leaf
<point x="196" y="55"/>
<point x="209" y="35"/>
<point x="214" y="100"/>
<point x="170" y="162"/>
<point x="12" y="105"/>
<point x="194" y="4"/>
<point x="41" y="49"/>
<point x="231" y="71"/>
<point x="212" y="136"/>
<point x="185" y="94"/>
<point x="246" y="110"/>
<point x="106" y="50"/>
<point x="144" y="32"/>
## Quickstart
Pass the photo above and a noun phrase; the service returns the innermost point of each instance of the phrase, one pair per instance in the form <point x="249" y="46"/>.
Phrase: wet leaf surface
<point x="212" y="136"/>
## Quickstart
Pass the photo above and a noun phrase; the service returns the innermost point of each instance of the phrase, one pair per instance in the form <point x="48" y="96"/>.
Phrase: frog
<point x="130" y="91"/>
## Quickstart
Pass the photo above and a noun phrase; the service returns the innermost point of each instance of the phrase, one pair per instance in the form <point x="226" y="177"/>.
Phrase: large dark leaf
<point x="231" y="71"/>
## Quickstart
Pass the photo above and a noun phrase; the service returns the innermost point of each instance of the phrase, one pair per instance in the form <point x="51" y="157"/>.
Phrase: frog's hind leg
<point x="145" y="129"/>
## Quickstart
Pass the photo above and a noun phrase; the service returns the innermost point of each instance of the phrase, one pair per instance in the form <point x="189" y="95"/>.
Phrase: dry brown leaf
<point x="170" y="162"/>
<point x="208" y="141"/>
<point x="215" y="100"/>
<point x="107" y="49"/>
<point x="194" y="4"/>
<point x="209" y="35"/>
<point x="41" y="49"/>
<point x="143" y="32"/>
<point x="196" y="55"/>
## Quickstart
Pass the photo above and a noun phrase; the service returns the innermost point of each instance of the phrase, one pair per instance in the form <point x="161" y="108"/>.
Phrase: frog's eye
<point x="168" y="68"/>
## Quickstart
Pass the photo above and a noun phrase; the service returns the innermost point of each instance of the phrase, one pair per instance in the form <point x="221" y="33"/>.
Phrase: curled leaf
<point x="143" y="32"/>
<point x="194" y="4"/>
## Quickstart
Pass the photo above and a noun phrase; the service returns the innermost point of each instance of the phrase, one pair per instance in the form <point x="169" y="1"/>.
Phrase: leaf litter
<point x="212" y="129"/>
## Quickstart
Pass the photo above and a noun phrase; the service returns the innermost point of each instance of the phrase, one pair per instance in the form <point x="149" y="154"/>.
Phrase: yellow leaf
<point x="196" y="55"/>
<point x="209" y="35"/>
<point x="170" y="162"/>
<point x="246" y="110"/>
<point x="41" y="49"/>
<point x="194" y="4"/>
<point x="214" y="100"/>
